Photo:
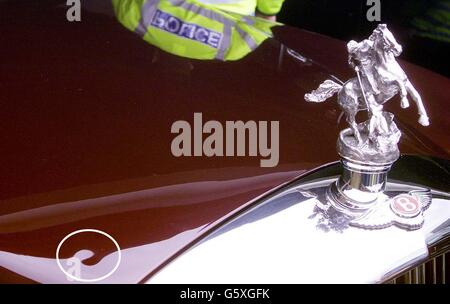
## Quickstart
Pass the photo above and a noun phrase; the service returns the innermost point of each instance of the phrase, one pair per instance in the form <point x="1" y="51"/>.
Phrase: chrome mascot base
<point x="359" y="188"/>
<point x="369" y="149"/>
<point x="366" y="164"/>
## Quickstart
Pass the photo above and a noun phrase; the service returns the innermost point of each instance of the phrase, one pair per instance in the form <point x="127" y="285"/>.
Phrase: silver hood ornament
<point x="368" y="149"/>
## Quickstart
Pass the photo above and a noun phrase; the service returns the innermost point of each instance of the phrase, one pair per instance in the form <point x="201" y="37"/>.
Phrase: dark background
<point x="346" y="20"/>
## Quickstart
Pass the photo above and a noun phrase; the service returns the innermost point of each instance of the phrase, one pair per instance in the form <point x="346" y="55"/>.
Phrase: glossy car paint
<point x="85" y="127"/>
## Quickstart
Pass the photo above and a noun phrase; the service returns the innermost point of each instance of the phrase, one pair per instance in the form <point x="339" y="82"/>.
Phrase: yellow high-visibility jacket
<point x="199" y="29"/>
<point x="247" y="7"/>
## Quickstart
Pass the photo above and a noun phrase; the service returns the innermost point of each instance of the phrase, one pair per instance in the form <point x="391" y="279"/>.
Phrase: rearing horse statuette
<point x="379" y="78"/>
<point x="369" y="149"/>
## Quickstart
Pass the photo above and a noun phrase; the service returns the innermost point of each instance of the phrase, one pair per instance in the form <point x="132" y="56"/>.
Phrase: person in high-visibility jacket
<point x="200" y="29"/>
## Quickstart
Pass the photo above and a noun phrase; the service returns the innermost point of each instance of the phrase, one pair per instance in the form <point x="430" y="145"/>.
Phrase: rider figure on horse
<point x="362" y="55"/>
<point x="379" y="79"/>
<point x="362" y="58"/>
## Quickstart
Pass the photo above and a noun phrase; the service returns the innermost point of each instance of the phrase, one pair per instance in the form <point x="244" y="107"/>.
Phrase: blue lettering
<point x="187" y="30"/>
<point x="214" y="39"/>
<point x="174" y="25"/>
<point x="158" y="20"/>
<point x="201" y="35"/>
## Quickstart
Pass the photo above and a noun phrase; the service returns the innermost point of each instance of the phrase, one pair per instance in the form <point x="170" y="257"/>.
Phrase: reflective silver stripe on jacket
<point x="148" y="10"/>
<point x="249" y="20"/>
<point x="196" y="9"/>
<point x="247" y="38"/>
